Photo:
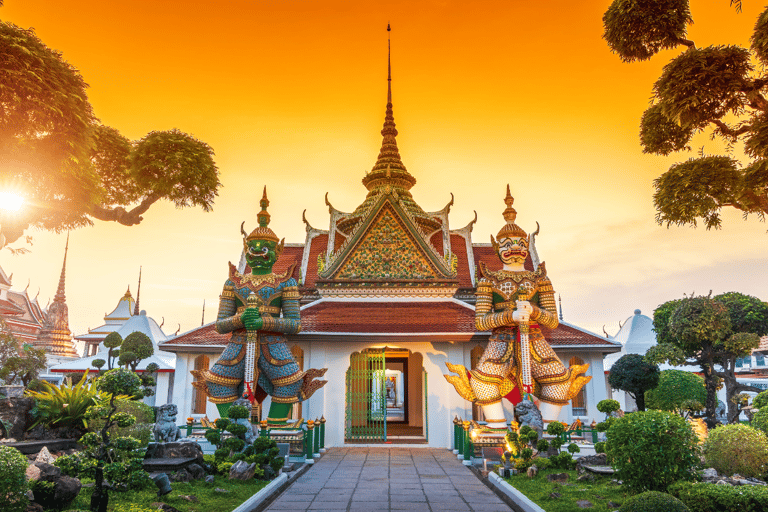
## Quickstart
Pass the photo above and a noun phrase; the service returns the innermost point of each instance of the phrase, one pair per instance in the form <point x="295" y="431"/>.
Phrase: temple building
<point x="387" y="298"/>
<point x="41" y="328"/>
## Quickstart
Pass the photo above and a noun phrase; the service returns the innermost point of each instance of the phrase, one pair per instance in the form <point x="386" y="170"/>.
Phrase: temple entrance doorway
<point x="386" y="397"/>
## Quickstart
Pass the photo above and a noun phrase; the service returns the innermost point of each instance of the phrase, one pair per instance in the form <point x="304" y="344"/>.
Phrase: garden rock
<point x="209" y="479"/>
<point x="189" y="497"/>
<point x="182" y="475"/>
<point x="45" y="456"/>
<point x="35" y="507"/>
<point x="612" y="504"/>
<point x="43" y="471"/>
<point x="14" y="412"/>
<point x="709" y="474"/>
<point x="65" y="488"/>
<point x="219" y="489"/>
<point x="560" y="478"/>
<point x="555" y="495"/>
<point x="586" y="477"/>
<point x="177" y="450"/>
<point x="599" y="459"/>
<point x="584" y="504"/>
<point x="532" y="471"/>
<point x="196" y="470"/>
<point x="241" y="470"/>
<point x="165" y="508"/>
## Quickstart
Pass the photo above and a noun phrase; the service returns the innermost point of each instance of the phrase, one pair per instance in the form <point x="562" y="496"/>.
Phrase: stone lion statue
<point x="527" y="413"/>
<point x="166" y="430"/>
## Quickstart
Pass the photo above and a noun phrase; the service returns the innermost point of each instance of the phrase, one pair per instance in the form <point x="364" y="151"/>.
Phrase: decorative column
<point x="264" y="429"/>
<point x="316" y="441"/>
<point x="322" y="434"/>
<point x="308" y="436"/>
<point x="467" y="445"/>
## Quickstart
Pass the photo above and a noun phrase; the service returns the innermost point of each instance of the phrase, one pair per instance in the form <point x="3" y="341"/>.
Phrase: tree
<point x="25" y="366"/>
<point x="678" y="391"/>
<point x="700" y="331"/>
<point x="136" y="347"/>
<point x="69" y="167"/>
<point x="112" y="342"/>
<point x="635" y="376"/>
<point x="715" y="89"/>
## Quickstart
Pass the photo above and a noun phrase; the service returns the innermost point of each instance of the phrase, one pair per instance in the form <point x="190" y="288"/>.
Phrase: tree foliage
<point x="716" y="89"/>
<point x="710" y="332"/>
<point x="631" y="373"/>
<point x="70" y="168"/>
<point x="678" y="391"/>
<point x="136" y="347"/>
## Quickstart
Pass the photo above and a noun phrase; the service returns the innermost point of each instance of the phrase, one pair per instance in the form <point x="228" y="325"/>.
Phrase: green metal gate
<point x="366" y="411"/>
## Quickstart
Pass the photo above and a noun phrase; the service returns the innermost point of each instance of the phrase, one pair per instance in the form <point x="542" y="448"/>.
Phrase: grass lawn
<point x="599" y="492"/>
<point x="209" y="500"/>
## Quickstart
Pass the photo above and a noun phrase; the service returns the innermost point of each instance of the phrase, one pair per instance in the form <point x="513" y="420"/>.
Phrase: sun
<point x="10" y="201"/>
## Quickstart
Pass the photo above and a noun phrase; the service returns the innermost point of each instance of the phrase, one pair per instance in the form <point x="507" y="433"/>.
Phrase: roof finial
<point x="202" y="322"/>
<point x="138" y="293"/>
<point x="510" y="214"/>
<point x="389" y="67"/>
<point x="560" y="306"/>
<point x="263" y="217"/>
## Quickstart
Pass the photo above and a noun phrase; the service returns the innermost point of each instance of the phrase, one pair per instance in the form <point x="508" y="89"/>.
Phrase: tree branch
<point x="727" y="130"/>
<point x="123" y="216"/>
<point x="686" y="42"/>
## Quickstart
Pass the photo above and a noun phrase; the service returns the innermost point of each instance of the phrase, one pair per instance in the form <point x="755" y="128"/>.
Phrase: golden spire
<point x="60" y="297"/>
<point x="389" y="169"/>
<point x="262" y="231"/>
<point x="510" y="229"/>
<point x="138" y="292"/>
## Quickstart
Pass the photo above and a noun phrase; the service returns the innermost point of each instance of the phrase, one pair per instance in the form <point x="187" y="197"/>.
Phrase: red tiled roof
<point x="9" y="308"/>
<point x="388" y="317"/>
<point x="463" y="272"/>
<point x="205" y="335"/>
<point x="565" y="335"/>
<point x="319" y="244"/>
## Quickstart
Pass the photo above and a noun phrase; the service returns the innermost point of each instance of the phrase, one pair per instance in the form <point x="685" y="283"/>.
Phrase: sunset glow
<point x="291" y="94"/>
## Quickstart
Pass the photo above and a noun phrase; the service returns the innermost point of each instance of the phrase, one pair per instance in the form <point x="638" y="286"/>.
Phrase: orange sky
<point x="291" y="94"/>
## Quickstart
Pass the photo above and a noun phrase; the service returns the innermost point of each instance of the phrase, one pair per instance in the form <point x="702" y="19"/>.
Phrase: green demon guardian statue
<point x="257" y="362"/>
<point x="518" y="363"/>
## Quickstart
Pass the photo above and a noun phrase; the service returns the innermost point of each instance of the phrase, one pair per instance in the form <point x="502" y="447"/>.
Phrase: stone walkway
<point x="379" y="479"/>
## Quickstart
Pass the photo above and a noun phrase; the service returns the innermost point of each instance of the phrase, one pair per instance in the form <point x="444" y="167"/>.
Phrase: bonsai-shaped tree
<point x="136" y="347"/>
<point x="25" y="366"/>
<point x="111" y="453"/>
<point x="635" y="376"/>
<point x="112" y="342"/>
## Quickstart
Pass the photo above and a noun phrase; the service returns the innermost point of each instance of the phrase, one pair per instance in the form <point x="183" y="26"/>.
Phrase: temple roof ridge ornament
<point x="446" y="209"/>
<point x="389" y="168"/>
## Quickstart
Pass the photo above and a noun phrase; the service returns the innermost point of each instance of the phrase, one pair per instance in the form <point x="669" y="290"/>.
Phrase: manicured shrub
<point x="701" y="497"/>
<point x="737" y="449"/>
<point x="760" y="400"/>
<point x="141" y="429"/>
<point x="676" y="388"/>
<point x="13" y="480"/>
<point x="608" y="406"/>
<point x="652" y="449"/>
<point x="653" y="501"/>
<point x="600" y="447"/>
<point x="760" y="420"/>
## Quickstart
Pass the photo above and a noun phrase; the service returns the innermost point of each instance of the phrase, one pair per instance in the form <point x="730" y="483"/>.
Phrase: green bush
<point x="653" y="501"/>
<point x="600" y="447"/>
<point x="238" y="412"/>
<point x="13" y="480"/>
<point x="737" y="449"/>
<point x="760" y="400"/>
<point x="573" y="448"/>
<point x="701" y="497"/>
<point x="760" y="420"/>
<point x="652" y="449"/>
<point x="77" y="465"/>
<point x="141" y="429"/>
<point x="676" y="387"/>
<point x="563" y="460"/>
<point x="608" y="406"/>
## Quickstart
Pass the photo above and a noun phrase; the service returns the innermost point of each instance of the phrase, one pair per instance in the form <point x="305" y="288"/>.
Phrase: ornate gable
<point x="388" y="249"/>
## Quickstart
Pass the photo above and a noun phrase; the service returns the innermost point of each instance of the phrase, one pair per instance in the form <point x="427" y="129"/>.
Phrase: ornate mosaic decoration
<point x="387" y="251"/>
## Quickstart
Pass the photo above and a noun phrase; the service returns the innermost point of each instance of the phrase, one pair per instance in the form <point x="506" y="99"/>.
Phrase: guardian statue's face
<point x="513" y="250"/>
<point x="260" y="255"/>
